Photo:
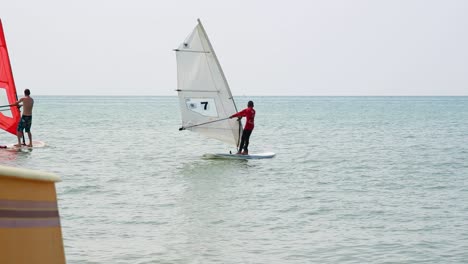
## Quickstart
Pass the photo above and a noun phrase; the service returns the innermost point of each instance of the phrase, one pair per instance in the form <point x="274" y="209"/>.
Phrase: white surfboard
<point x="265" y="155"/>
<point x="36" y="144"/>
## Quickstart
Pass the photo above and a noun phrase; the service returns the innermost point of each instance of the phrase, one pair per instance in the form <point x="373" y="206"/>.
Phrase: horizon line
<point x="143" y="95"/>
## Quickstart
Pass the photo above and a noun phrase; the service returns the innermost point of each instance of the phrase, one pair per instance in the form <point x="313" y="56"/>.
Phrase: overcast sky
<point x="327" y="47"/>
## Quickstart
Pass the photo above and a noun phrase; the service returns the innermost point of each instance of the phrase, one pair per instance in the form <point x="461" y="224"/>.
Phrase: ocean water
<point x="355" y="180"/>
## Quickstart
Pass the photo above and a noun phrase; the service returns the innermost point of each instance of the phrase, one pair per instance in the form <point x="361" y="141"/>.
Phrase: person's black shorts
<point x="25" y="123"/>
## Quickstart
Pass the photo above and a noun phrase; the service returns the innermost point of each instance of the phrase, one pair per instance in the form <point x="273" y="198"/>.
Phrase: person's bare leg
<point x="19" y="135"/>
<point x="30" y="139"/>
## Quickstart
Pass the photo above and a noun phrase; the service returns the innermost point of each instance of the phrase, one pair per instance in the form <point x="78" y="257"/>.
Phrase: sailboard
<point x="10" y="115"/>
<point x="266" y="155"/>
<point x="35" y="144"/>
<point x="205" y="99"/>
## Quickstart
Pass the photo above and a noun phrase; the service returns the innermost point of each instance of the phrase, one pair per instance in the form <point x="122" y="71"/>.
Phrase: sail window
<point x="4" y="102"/>
<point x="202" y="106"/>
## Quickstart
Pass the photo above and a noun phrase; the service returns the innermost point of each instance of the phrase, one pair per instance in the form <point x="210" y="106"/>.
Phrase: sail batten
<point x="202" y="91"/>
<point x="204" y="96"/>
<point x="194" y="51"/>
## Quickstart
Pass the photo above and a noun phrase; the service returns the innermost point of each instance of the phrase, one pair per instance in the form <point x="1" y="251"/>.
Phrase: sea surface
<point x="355" y="180"/>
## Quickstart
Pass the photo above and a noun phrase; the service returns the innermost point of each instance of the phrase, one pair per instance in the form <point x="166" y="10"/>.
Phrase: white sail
<point x="204" y="93"/>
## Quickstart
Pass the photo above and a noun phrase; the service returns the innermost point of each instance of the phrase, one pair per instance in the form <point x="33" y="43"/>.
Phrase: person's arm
<point x="17" y="102"/>
<point x="239" y="114"/>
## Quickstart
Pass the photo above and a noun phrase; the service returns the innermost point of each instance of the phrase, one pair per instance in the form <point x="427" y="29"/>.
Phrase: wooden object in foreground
<point x="30" y="229"/>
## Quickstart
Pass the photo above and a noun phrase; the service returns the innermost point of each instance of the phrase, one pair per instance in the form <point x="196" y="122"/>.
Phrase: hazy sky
<point x="327" y="47"/>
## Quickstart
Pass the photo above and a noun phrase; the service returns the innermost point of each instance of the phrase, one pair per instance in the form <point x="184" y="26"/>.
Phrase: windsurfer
<point x="26" y="118"/>
<point x="249" y="114"/>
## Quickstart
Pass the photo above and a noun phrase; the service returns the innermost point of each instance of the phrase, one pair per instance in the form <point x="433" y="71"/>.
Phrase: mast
<point x="3" y="40"/>
<point x="217" y="62"/>
<point x="222" y="74"/>
<point x="8" y="123"/>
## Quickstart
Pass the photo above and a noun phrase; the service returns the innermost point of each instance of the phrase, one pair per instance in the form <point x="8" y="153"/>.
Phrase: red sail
<point x="9" y="115"/>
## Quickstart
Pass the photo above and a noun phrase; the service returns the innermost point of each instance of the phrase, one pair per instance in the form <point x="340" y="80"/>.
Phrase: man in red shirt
<point x="249" y="114"/>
